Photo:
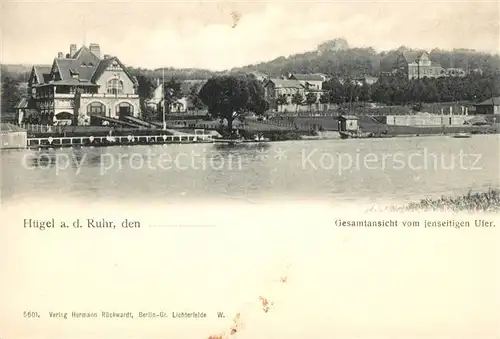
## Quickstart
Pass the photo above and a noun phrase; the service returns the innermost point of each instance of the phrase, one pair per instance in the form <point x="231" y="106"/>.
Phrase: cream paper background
<point x="340" y="282"/>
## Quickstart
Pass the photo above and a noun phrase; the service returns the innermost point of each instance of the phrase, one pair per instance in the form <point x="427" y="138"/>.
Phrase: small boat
<point x="227" y="141"/>
<point x="462" y="135"/>
<point x="354" y="135"/>
<point x="256" y="141"/>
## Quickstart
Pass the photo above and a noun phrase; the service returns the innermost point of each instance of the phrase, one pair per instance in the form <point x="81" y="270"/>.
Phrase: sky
<point x="219" y="35"/>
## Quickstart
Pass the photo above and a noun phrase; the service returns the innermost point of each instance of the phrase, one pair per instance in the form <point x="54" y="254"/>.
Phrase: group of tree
<point x="173" y="92"/>
<point x="397" y="90"/>
<point x="179" y="74"/>
<point x="229" y="97"/>
<point x="366" y="61"/>
<point x="10" y="94"/>
<point x="297" y="100"/>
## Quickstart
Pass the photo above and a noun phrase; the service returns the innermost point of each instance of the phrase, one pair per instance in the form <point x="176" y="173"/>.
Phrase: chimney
<point x="107" y="56"/>
<point x="72" y="50"/>
<point x="60" y="55"/>
<point x="95" y="49"/>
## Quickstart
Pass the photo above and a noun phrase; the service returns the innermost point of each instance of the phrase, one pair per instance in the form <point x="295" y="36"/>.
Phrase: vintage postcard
<point x="250" y="169"/>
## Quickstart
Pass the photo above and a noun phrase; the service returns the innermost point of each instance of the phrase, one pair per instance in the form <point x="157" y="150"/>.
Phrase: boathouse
<point x="81" y="85"/>
<point x="489" y="106"/>
<point x="348" y="123"/>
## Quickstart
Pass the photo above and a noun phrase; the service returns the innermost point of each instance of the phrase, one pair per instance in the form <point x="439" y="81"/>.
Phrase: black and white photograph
<point x="249" y="169"/>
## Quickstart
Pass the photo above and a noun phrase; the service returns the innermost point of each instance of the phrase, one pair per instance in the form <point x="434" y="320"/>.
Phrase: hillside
<point x="177" y="73"/>
<point x="331" y="59"/>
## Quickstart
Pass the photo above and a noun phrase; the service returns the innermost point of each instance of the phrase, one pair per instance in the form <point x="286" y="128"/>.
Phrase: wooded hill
<point x="351" y="62"/>
<point x="334" y="58"/>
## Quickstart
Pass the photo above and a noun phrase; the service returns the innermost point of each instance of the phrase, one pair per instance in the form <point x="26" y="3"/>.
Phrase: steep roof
<point x="42" y="73"/>
<point x="23" y="103"/>
<point x="495" y="101"/>
<point x="83" y="51"/>
<point x="84" y="63"/>
<point x="282" y="83"/>
<point x="348" y="117"/>
<point x="105" y="63"/>
<point x="306" y="77"/>
<point x="84" y="68"/>
<point x="412" y="56"/>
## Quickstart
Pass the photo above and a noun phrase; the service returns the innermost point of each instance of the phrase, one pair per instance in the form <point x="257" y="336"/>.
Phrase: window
<point x="115" y="86"/>
<point x="96" y="108"/>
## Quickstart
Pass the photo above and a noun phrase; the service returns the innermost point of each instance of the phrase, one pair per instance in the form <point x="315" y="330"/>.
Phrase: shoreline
<point x="488" y="201"/>
<point x="298" y="137"/>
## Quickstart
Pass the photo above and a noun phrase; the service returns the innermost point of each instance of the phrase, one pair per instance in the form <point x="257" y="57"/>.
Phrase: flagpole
<point x="163" y="90"/>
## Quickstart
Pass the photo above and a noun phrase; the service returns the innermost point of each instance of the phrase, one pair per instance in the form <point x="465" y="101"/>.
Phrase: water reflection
<point x="282" y="169"/>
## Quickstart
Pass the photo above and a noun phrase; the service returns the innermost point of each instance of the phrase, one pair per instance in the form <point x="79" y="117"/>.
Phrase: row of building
<point x="83" y="83"/>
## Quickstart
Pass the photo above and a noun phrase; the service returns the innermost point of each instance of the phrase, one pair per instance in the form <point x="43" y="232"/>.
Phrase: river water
<point x="399" y="169"/>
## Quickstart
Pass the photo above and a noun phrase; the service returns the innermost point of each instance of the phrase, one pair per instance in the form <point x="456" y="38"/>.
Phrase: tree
<point x="33" y="119"/>
<point x="365" y="92"/>
<point x="281" y="100"/>
<point x="76" y="106"/>
<point x="145" y="90"/>
<point x="10" y="94"/>
<point x="194" y="97"/>
<point x="324" y="98"/>
<point x="311" y="98"/>
<point x="380" y="90"/>
<point x="430" y="93"/>
<point x="297" y="99"/>
<point x="145" y="87"/>
<point x="336" y="91"/>
<point x="257" y="104"/>
<point x="229" y="96"/>
<point x="417" y="91"/>
<point x="172" y="93"/>
<point x="351" y="89"/>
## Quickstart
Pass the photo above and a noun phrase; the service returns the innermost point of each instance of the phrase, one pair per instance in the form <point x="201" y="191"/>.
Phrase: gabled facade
<point x="82" y="84"/>
<point x="418" y="65"/>
<point x="488" y="106"/>
<point x="274" y="88"/>
<point x="309" y="81"/>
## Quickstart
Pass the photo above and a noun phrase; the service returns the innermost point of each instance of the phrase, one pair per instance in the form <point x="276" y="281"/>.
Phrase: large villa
<point x="80" y="85"/>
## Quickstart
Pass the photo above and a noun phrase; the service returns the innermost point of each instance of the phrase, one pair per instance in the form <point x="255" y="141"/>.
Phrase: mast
<point x="163" y="92"/>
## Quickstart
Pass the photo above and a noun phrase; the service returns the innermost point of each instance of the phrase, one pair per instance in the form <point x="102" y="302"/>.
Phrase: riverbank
<point x="472" y="202"/>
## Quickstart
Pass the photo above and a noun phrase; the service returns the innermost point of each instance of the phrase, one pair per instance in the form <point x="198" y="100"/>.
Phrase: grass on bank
<point x="472" y="202"/>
